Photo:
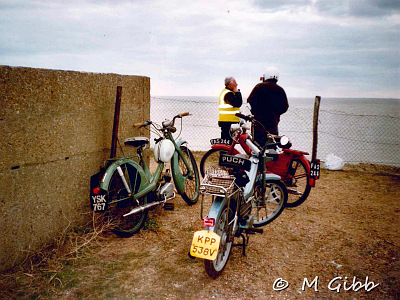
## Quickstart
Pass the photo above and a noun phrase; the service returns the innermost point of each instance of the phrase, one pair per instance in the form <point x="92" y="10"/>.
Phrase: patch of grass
<point x="87" y="278"/>
<point x="151" y="225"/>
<point x="135" y="255"/>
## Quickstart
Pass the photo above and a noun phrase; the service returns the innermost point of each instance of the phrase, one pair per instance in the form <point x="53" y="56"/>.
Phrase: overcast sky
<point x="331" y="48"/>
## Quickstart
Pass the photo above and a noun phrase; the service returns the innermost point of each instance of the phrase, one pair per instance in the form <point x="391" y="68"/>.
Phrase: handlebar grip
<point x="244" y="117"/>
<point x="183" y="114"/>
<point x="142" y="124"/>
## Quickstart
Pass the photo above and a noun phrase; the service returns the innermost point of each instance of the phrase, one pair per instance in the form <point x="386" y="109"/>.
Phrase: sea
<point x="354" y="129"/>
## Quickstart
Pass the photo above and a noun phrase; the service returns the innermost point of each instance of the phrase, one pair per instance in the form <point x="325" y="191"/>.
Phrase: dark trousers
<point x="225" y="128"/>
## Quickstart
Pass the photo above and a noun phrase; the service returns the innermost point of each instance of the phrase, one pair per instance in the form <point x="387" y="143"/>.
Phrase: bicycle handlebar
<point x="142" y="124"/>
<point x="166" y="123"/>
<point x="244" y="117"/>
<point x="249" y="118"/>
<point x="172" y="123"/>
<point x="183" y="114"/>
<point x="276" y="139"/>
<point x="137" y="124"/>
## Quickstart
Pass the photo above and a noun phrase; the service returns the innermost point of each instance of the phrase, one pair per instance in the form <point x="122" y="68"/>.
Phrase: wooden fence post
<point x="315" y="128"/>
<point x="116" y="122"/>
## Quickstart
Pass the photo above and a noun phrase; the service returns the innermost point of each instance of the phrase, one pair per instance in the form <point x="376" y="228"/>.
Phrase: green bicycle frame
<point x="149" y="181"/>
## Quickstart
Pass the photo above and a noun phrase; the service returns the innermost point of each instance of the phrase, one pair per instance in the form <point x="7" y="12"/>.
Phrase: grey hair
<point x="228" y="80"/>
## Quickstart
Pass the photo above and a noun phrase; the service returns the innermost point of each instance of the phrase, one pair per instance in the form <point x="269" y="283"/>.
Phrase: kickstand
<point x="244" y="244"/>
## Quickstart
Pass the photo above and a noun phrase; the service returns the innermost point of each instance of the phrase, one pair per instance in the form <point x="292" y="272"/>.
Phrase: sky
<point x="330" y="48"/>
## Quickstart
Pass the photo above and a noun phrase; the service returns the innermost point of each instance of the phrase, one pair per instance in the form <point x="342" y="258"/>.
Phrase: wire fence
<point x="355" y="138"/>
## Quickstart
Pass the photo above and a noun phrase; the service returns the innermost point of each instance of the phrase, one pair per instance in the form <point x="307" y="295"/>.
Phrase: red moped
<point x="296" y="171"/>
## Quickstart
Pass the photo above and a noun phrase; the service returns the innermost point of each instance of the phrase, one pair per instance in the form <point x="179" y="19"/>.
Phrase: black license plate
<point x="98" y="201"/>
<point x="221" y="141"/>
<point x="315" y="169"/>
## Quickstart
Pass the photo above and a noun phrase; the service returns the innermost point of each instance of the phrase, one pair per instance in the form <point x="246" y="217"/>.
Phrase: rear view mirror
<point x="284" y="140"/>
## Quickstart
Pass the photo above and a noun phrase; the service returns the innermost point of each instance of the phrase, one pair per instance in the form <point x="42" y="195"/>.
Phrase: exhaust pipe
<point x="142" y="208"/>
<point x="148" y="206"/>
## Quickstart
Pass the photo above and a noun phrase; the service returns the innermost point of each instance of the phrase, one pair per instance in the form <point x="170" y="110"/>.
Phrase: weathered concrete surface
<point x="55" y="132"/>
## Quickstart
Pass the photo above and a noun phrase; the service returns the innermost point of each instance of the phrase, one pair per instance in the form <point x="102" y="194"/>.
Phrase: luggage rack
<point x="218" y="182"/>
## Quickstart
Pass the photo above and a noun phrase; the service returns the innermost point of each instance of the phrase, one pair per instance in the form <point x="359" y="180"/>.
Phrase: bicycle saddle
<point x="136" y="141"/>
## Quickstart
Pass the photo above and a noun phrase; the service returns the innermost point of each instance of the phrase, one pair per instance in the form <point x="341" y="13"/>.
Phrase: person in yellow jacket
<point x="229" y="103"/>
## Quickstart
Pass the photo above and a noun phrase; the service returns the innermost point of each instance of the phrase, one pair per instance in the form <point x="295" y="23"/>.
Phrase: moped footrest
<point x="294" y="191"/>
<point x="168" y="206"/>
<point x="253" y="230"/>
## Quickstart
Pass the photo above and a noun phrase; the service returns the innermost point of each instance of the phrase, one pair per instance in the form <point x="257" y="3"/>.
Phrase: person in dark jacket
<point x="229" y="103"/>
<point x="268" y="102"/>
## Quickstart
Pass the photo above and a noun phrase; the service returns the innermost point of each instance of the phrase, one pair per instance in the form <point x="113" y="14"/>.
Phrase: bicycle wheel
<point x="192" y="183"/>
<point x="223" y="227"/>
<point x="268" y="207"/>
<point x="211" y="159"/>
<point x="120" y="225"/>
<point x="297" y="183"/>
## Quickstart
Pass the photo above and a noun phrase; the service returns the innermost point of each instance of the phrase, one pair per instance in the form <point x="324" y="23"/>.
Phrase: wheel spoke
<point x="267" y="208"/>
<point x="298" y="183"/>
<point x="300" y="176"/>
<point x="121" y="202"/>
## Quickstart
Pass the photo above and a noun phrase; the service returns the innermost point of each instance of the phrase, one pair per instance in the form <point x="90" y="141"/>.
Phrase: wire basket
<point x="217" y="182"/>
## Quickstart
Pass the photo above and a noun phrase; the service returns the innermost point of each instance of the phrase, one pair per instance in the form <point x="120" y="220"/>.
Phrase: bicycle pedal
<point x="168" y="206"/>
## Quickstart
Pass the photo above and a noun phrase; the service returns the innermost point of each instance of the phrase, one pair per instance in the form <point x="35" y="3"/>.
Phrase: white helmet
<point x="163" y="151"/>
<point x="271" y="73"/>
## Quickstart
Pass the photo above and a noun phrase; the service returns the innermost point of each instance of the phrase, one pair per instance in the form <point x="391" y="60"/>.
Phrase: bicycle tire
<point x="298" y="183"/>
<point x="210" y="158"/>
<point x="192" y="184"/>
<point x="120" y="225"/>
<point x="215" y="267"/>
<point x="268" y="208"/>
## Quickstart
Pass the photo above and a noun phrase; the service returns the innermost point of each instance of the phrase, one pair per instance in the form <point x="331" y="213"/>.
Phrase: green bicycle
<point x="128" y="190"/>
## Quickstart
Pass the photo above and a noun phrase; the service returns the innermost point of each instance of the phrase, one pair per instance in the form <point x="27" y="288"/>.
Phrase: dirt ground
<point x="345" y="239"/>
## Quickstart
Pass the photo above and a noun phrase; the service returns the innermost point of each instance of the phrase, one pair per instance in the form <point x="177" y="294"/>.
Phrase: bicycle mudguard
<point x="298" y="153"/>
<point x="105" y="181"/>
<point x="306" y="162"/>
<point x="225" y="147"/>
<point x="269" y="176"/>
<point x="215" y="210"/>
<point x="178" y="179"/>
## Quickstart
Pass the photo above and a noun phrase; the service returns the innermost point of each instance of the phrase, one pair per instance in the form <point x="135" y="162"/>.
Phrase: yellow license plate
<point x="205" y="244"/>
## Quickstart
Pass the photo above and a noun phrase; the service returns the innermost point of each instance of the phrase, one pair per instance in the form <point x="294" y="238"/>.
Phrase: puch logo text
<point x="235" y="160"/>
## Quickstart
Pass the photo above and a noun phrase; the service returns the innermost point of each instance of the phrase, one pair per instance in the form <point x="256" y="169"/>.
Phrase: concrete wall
<point x="55" y="132"/>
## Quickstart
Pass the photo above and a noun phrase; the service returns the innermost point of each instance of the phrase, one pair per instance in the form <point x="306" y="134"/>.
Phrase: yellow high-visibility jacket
<point x="226" y="111"/>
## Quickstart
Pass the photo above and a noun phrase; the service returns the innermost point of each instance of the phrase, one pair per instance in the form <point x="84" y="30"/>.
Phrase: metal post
<point x="116" y="123"/>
